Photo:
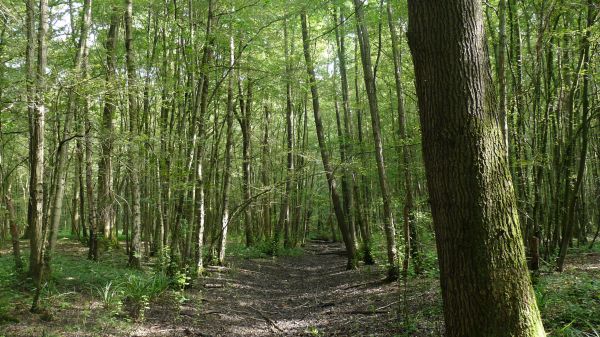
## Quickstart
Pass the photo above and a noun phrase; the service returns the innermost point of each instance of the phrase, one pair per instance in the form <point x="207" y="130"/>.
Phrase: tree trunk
<point x="37" y="238"/>
<point x="337" y="205"/>
<point x="136" y="245"/>
<point x="227" y="169"/>
<point x="265" y="168"/>
<point x="14" y="231"/>
<point x="486" y="287"/>
<point x="410" y="232"/>
<point x="388" y="217"/>
<point x="60" y="170"/>
<point x="105" y="165"/>
<point x="244" y="120"/>
<point x="569" y="218"/>
<point x="201" y="104"/>
<point x="284" y="218"/>
<point x="31" y="114"/>
<point x="89" y="182"/>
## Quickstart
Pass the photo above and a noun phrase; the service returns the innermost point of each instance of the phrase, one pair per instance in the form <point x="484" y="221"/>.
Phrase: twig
<point x="366" y="312"/>
<point x="387" y="306"/>
<point x="266" y="318"/>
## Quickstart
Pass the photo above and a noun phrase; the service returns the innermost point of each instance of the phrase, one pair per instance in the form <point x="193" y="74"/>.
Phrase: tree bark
<point x="485" y="283"/>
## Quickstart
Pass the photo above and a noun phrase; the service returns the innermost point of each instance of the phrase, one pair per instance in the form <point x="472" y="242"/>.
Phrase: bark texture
<point x="485" y="282"/>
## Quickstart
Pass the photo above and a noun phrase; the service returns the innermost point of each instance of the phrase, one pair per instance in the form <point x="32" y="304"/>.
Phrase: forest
<point x="300" y="168"/>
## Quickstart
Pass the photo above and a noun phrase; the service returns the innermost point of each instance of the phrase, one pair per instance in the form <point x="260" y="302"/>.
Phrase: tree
<point x="36" y="259"/>
<point x="486" y="287"/>
<point x="369" y="77"/>
<point x="225" y="219"/>
<point x="60" y="169"/>
<point x="105" y="163"/>
<point x="136" y="247"/>
<point x="331" y="181"/>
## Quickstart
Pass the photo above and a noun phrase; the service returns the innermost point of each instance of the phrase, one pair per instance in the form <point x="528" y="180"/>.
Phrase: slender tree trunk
<point x="105" y="163"/>
<point x="569" y="218"/>
<point x="201" y="104"/>
<point x="37" y="238"/>
<point x="284" y="218"/>
<point x="485" y="282"/>
<point x="227" y="169"/>
<point x="337" y="205"/>
<point x="89" y="182"/>
<point x="38" y="146"/>
<point x="60" y="170"/>
<point x="136" y="245"/>
<point x="244" y="120"/>
<point x="266" y="203"/>
<point x="31" y="114"/>
<point x="14" y="231"/>
<point x="410" y="232"/>
<point x="388" y="217"/>
<point x="352" y="201"/>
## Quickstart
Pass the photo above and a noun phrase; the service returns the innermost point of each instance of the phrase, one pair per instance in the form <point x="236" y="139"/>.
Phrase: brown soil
<point x="307" y="295"/>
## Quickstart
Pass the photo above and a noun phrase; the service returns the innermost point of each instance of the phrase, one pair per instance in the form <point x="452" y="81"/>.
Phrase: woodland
<point x="300" y="168"/>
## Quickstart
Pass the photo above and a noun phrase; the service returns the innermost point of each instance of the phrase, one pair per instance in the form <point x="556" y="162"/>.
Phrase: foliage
<point x="140" y="291"/>
<point x="569" y="302"/>
<point x="261" y="249"/>
<point x="111" y="297"/>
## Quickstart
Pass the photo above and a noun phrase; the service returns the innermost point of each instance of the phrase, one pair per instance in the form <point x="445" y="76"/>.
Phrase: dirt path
<point x="310" y="295"/>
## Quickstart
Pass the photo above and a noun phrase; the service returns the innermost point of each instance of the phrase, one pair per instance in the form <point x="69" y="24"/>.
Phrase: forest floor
<point x="310" y="294"/>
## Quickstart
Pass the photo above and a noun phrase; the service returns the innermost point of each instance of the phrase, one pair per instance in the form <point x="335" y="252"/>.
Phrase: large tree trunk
<point x="388" y="217"/>
<point x="335" y="198"/>
<point x="485" y="282"/>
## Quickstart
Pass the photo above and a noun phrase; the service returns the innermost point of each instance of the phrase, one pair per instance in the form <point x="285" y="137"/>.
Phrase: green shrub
<point x="139" y="291"/>
<point x="111" y="297"/>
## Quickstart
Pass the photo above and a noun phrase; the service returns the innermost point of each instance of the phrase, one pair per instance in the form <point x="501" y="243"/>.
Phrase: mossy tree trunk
<point x="485" y="282"/>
